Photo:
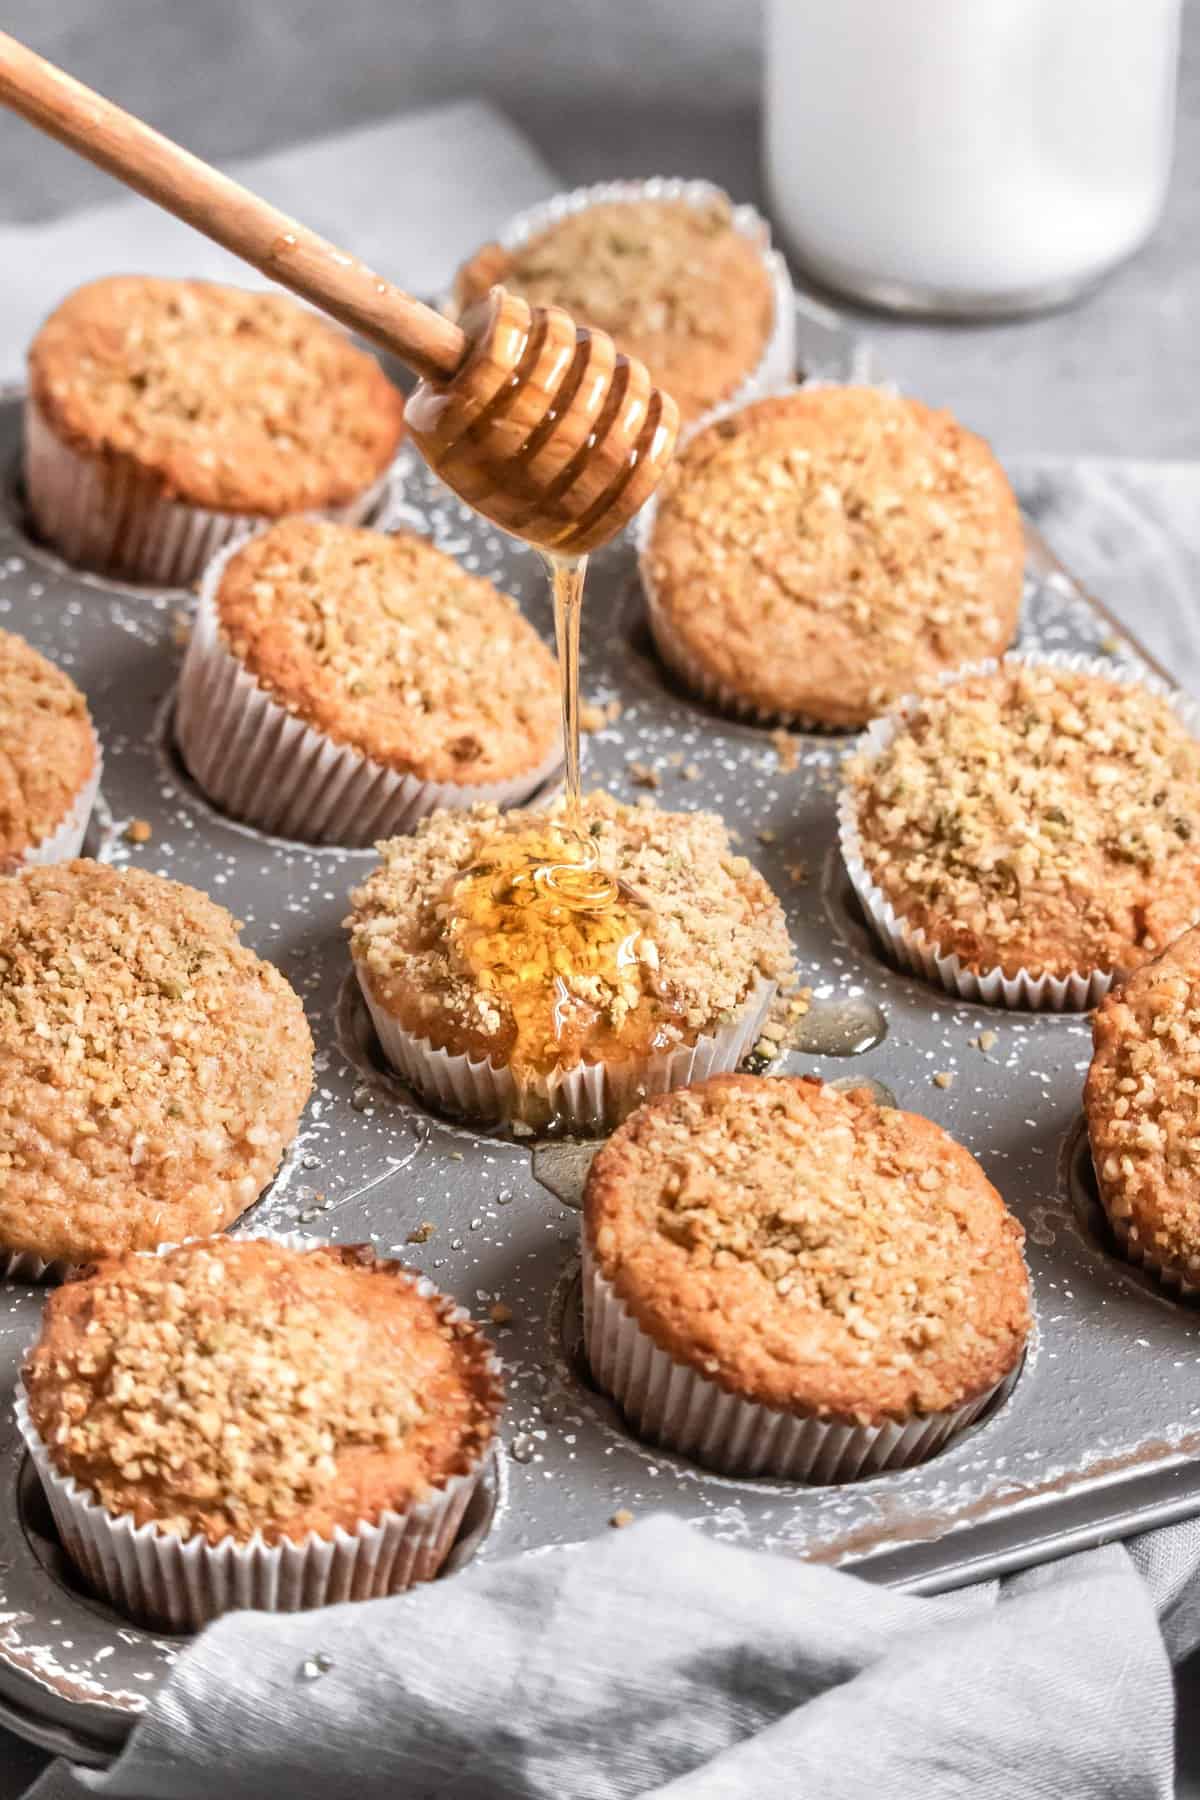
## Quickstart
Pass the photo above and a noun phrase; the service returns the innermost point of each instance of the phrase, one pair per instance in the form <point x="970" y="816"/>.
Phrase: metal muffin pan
<point x="1099" y="1434"/>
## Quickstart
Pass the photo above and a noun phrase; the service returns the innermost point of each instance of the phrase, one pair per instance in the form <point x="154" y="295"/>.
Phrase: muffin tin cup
<point x="672" y="1405"/>
<point x="102" y="513"/>
<point x="670" y="645"/>
<point x="776" y="366"/>
<point x="591" y="1099"/>
<point x="262" y="765"/>
<point x="910" y="945"/>
<point x="180" y="1584"/>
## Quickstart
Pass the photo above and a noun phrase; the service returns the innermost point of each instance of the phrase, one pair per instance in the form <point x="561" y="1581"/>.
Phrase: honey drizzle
<point x="564" y="945"/>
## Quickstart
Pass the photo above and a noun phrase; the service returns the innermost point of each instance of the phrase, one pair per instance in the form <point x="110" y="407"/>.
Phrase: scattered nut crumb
<point x="985" y="1040"/>
<point x="944" y="1078"/>
<point x="642" y="775"/>
<point x="422" y="1233"/>
<point x="675" y="760"/>
<point x="499" y="1313"/>
<point x="787" y="749"/>
<point x="797" y="873"/>
<point x="1110" y="643"/>
<point x="592" y="717"/>
<point x="691" y="772"/>
<point x="613" y="711"/>
<point x="139" y="831"/>
<point x="766" y="835"/>
<point x="621" y="1518"/>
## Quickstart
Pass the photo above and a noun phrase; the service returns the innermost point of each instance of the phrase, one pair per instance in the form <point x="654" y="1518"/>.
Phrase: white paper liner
<point x="262" y="765"/>
<point x="777" y="364"/>
<point x="590" y="1099"/>
<point x="160" y="1578"/>
<point x="100" y="513"/>
<point x="669" y="1404"/>
<point x="910" y="945"/>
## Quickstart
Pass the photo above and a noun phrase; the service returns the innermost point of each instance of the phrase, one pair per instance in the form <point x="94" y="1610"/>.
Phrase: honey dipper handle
<point x="228" y="213"/>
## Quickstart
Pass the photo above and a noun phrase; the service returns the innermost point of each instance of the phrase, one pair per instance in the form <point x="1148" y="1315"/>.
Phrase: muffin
<point x="1028" y="832"/>
<point x="813" y="556"/>
<point x="164" y="416"/>
<point x="499" y="1002"/>
<point x="152" y="1069"/>
<point x="341" y="683"/>
<point x="1142" y="1101"/>
<point x="679" y="277"/>
<point x="255" y="1423"/>
<point x="780" y="1279"/>
<point x="49" y="759"/>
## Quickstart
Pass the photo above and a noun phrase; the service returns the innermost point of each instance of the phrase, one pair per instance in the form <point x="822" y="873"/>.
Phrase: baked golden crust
<point x="243" y="402"/>
<point x="716" y="925"/>
<point x="822" y="552"/>
<point x="676" y="285"/>
<point x="1037" y="818"/>
<point x="47" y="747"/>
<point x="809" y="1250"/>
<point x="383" y="643"/>
<point x="1142" y="1101"/>
<point x="232" y="1386"/>
<point x="152" y="1068"/>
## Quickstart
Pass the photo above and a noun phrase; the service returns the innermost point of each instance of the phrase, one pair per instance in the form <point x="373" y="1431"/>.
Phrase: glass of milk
<point x="968" y="157"/>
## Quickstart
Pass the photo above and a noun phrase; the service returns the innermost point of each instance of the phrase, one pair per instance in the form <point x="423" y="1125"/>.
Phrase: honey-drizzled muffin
<point x="228" y="1410"/>
<point x="497" y="997"/>
<point x="815" y="555"/>
<point x="49" y="759"/>
<point x="1036" y="827"/>
<point x="1142" y="1101"/>
<point x="152" y="1068"/>
<point x="676" y="277"/>
<point x="783" y="1279"/>
<point x="163" y="415"/>
<point x="340" y="683"/>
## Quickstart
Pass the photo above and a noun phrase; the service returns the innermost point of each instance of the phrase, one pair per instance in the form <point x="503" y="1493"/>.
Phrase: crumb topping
<point x="810" y="1248"/>
<point x="152" y="1069"/>
<point x="382" y="642"/>
<point x="241" y="401"/>
<point x="821" y="552"/>
<point x="1142" y="1100"/>
<point x="231" y="1387"/>
<point x="676" y="285"/>
<point x="1037" y="817"/>
<point x="47" y="748"/>
<point x="711" y="924"/>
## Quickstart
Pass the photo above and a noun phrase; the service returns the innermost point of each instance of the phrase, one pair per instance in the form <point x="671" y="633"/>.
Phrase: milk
<point x="968" y="154"/>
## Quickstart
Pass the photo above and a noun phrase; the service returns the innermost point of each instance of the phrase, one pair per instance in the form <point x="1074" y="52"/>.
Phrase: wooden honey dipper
<point x="541" y="425"/>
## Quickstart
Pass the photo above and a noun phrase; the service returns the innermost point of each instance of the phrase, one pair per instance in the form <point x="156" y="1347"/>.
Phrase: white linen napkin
<point x="411" y="197"/>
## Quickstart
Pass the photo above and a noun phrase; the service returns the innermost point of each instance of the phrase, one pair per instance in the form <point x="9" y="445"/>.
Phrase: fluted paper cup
<point x="260" y="764"/>
<point x="911" y="946"/>
<point x="777" y="364"/>
<point x="672" y="1405"/>
<point x="590" y="1099"/>
<point x="179" y="1584"/>
<point x="100" y="512"/>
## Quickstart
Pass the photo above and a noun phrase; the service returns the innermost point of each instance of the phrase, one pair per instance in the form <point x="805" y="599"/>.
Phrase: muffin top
<point x="697" y="927"/>
<point x="676" y="285"/>
<point x="810" y="1250"/>
<point x="820" y="552"/>
<point x="1142" y="1100"/>
<point x="152" y="1068"/>
<point x="383" y="643"/>
<point x="244" y="402"/>
<point x="1037" y="817"/>
<point x="47" y="747"/>
<point x="231" y="1387"/>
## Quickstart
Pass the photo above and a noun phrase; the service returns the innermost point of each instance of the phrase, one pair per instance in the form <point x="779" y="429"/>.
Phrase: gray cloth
<point x="654" y="1662"/>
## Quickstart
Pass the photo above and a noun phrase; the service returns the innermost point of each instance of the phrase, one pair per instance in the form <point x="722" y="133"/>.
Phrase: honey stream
<point x="559" y="939"/>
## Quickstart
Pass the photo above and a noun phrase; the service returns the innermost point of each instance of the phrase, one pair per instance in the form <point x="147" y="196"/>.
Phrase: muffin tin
<point x="1098" y="1435"/>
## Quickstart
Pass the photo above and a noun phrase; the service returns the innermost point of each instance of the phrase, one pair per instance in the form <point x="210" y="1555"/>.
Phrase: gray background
<point x="632" y="87"/>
